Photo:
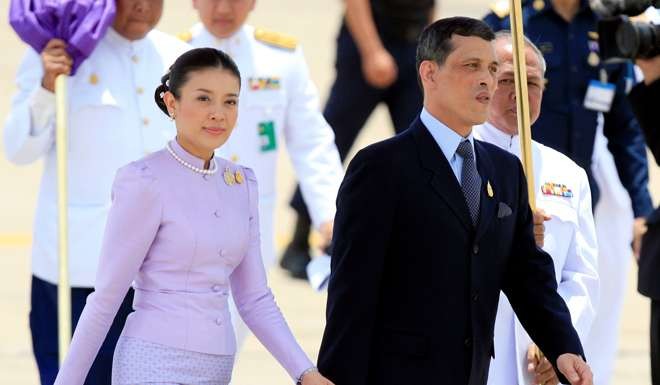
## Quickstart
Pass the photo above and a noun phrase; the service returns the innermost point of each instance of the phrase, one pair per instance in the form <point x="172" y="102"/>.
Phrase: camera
<point x="621" y="38"/>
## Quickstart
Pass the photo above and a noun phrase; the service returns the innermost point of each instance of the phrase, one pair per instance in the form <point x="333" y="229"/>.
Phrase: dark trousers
<point x="352" y="100"/>
<point x="43" y="325"/>
<point x="655" y="341"/>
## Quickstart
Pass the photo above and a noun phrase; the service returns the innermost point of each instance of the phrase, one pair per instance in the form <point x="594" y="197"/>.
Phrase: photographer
<point x="644" y="97"/>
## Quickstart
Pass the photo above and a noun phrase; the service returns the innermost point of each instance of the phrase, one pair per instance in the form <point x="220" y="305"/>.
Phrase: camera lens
<point x="638" y="40"/>
<point x="627" y="39"/>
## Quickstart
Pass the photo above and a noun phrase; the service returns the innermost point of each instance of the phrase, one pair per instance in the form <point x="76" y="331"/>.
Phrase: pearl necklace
<point x="198" y="170"/>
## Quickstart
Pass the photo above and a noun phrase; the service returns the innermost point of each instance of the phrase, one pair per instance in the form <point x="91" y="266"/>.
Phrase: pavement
<point x="315" y="24"/>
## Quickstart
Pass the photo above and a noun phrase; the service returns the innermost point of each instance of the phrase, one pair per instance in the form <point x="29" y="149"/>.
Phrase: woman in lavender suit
<point x="183" y="228"/>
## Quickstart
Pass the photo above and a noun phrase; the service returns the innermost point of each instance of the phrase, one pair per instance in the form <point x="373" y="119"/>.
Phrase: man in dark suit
<point x="644" y="100"/>
<point x="430" y="226"/>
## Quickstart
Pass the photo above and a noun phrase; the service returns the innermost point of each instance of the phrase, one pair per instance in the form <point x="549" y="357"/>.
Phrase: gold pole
<point x="63" y="288"/>
<point x="522" y="99"/>
<point x="522" y="110"/>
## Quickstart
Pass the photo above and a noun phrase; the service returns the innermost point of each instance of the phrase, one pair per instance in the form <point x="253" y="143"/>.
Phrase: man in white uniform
<point x="278" y="104"/>
<point x="113" y="120"/>
<point x="562" y="191"/>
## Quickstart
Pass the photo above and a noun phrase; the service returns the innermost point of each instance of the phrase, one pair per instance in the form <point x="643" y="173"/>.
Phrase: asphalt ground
<point x="315" y="23"/>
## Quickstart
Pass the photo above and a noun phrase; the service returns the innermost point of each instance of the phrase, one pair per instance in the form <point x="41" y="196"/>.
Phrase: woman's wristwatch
<point x="309" y="370"/>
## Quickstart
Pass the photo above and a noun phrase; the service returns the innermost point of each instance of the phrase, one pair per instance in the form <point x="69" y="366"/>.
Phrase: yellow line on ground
<point x="15" y="240"/>
<point x="24" y="240"/>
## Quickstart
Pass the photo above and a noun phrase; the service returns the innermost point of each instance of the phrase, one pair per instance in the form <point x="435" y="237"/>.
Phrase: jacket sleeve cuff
<point x="642" y="207"/>
<point x="42" y="111"/>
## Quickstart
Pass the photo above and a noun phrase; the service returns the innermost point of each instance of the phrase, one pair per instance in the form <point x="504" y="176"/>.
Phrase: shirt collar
<point x="447" y="139"/>
<point x="123" y="44"/>
<point x="584" y="7"/>
<point x="185" y="155"/>
<point x="237" y="38"/>
<point x="493" y="135"/>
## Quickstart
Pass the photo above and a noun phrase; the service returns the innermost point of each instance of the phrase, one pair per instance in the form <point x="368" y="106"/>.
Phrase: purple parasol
<point x="80" y="23"/>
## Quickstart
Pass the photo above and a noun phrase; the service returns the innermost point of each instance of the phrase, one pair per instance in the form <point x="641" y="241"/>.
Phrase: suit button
<point x="468" y="342"/>
<point x="475" y="297"/>
<point x="216" y="288"/>
<point x="475" y="249"/>
<point x="218" y="321"/>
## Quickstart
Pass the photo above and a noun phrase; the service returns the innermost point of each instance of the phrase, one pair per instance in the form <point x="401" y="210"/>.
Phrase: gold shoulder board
<point x="275" y="39"/>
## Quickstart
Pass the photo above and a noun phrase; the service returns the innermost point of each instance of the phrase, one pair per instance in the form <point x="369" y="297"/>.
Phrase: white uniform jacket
<point x="113" y="120"/>
<point x="562" y="190"/>
<point x="278" y="104"/>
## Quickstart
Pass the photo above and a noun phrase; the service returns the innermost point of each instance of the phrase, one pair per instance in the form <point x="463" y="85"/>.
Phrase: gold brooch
<point x="239" y="177"/>
<point x="229" y="177"/>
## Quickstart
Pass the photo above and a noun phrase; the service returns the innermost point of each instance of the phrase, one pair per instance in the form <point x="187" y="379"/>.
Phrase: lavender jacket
<point x="184" y="240"/>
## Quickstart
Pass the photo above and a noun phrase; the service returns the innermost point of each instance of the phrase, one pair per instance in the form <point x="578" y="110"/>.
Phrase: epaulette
<point x="275" y="39"/>
<point x="185" y="36"/>
<point x="500" y="8"/>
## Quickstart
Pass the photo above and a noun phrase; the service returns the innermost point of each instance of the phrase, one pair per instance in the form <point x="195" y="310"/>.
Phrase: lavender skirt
<point x="137" y="361"/>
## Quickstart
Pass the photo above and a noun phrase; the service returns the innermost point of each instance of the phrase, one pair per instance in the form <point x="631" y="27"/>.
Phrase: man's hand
<point x="576" y="371"/>
<point x="379" y="68"/>
<point x="650" y="68"/>
<point x="56" y="61"/>
<point x="315" y="378"/>
<point x="539" y="228"/>
<point x="326" y="230"/>
<point x="639" y="229"/>
<point x="540" y="367"/>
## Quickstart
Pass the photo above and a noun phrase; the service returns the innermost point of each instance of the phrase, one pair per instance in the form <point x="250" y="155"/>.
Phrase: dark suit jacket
<point x="414" y="287"/>
<point x="645" y="101"/>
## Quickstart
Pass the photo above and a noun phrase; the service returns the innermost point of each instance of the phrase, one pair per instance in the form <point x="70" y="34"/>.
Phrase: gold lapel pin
<point x="489" y="190"/>
<point x="230" y="179"/>
<point x="239" y="177"/>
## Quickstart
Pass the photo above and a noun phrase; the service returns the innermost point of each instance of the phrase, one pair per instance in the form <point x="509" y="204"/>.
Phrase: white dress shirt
<point x="448" y="140"/>
<point x="113" y="120"/>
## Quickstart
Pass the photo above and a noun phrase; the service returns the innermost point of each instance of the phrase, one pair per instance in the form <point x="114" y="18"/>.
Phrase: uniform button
<point x="218" y="321"/>
<point x="475" y="249"/>
<point x="216" y="288"/>
<point x="135" y="58"/>
<point x="216" y="213"/>
<point x="468" y="342"/>
<point x="145" y="121"/>
<point x="139" y="90"/>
